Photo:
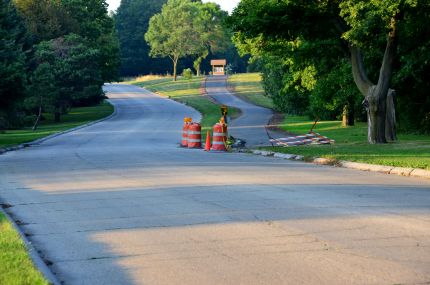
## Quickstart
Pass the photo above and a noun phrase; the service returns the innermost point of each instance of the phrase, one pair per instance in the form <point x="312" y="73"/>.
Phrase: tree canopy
<point x="172" y="32"/>
<point x="331" y="51"/>
<point x="57" y="54"/>
<point x="187" y="28"/>
<point x="132" y="22"/>
<point x="12" y="61"/>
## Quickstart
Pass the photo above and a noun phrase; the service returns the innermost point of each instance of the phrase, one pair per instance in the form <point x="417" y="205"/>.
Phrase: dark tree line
<point x="132" y="21"/>
<point x="55" y="54"/>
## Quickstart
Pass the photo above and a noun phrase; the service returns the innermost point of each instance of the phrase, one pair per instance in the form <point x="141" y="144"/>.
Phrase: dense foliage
<point x="132" y="21"/>
<point x="307" y="49"/>
<point x="57" y="54"/>
<point x="12" y="62"/>
<point x="191" y="29"/>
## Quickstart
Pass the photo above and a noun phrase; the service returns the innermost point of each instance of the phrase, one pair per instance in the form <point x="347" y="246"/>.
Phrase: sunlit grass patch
<point x="16" y="266"/>
<point x="351" y="144"/>
<point x="248" y="87"/>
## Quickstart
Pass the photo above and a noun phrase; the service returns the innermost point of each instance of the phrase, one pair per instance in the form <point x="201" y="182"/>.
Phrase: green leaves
<point x="67" y="75"/>
<point x="12" y="62"/>
<point x="315" y="69"/>
<point x="186" y="28"/>
<point x="132" y="21"/>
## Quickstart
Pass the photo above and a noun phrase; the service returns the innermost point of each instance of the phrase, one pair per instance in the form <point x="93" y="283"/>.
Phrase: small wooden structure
<point x="218" y="66"/>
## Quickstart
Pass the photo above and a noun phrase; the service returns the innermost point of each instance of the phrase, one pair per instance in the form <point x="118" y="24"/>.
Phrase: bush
<point x="187" y="73"/>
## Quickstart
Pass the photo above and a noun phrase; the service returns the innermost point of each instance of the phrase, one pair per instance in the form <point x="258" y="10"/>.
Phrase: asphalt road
<point x="120" y="203"/>
<point x="251" y="125"/>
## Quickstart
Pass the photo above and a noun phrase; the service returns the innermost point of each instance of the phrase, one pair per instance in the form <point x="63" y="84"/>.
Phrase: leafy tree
<point x="12" y="61"/>
<point x="131" y="22"/>
<point x="93" y="23"/>
<point x="214" y="37"/>
<point x="173" y="32"/>
<point x="45" y="19"/>
<point x="51" y="19"/>
<point x="67" y="74"/>
<point x="369" y="33"/>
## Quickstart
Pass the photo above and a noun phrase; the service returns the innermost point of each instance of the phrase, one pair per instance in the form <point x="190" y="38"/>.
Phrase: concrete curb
<point x="41" y="140"/>
<point x="402" y="171"/>
<point x="38" y="263"/>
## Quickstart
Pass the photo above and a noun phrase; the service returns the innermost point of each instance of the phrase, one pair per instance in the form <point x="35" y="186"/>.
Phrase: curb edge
<point x="401" y="171"/>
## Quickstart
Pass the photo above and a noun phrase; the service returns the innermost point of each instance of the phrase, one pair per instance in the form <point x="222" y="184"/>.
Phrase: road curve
<point x="119" y="203"/>
<point x="251" y="125"/>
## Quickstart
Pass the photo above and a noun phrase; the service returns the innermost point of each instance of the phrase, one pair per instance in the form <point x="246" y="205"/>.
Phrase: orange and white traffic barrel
<point x="194" y="135"/>
<point x="184" y="142"/>
<point x="219" y="137"/>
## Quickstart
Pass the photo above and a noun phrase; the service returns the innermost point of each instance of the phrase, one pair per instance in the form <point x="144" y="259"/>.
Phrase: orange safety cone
<point x="208" y="141"/>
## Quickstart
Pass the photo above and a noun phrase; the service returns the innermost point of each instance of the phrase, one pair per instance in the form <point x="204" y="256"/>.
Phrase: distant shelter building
<point x="218" y="66"/>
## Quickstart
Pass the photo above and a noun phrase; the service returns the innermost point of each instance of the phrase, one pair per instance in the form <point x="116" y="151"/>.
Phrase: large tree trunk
<point x="390" y="122"/>
<point x="375" y="103"/>
<point x="379" y="98"/>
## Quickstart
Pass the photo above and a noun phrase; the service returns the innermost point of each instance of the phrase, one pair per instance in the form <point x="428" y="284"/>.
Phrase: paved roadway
<point x="120" y="203"/>
<point x="251" y="125"/>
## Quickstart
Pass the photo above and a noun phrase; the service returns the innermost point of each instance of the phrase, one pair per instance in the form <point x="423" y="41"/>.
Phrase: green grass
<point x="248" y="87"/>
<point x="187" y="92"/>
<point x="76" y="117"/>
<point x="351" y="144"/>
<point x="16" y="266"/>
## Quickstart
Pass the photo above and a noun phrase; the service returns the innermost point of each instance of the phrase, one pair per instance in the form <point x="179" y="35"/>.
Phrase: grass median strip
<point x="248" y="87"/>
<point x="351" y="142"/>
<point x="76" y="117"/>
<point x="16" y="266"/>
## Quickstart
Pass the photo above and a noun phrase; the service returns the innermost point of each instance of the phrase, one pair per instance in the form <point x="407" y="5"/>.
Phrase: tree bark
<point x="175" y="59"/>
<point x="39" y="115"/>
<point x="390" y="122"/>
<point x="378" y="98"/>
<point x="197" y="63"/>
<point x="175" y="65"/>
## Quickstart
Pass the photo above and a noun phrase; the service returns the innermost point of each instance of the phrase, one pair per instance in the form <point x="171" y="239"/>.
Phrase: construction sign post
<point x="224" y="112"/>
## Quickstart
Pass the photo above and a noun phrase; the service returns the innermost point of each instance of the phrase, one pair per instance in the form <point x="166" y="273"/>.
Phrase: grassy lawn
<point x="76" y="117"/>
<point x="187" y="92"/>
<point x="351" y="144"/>
<point x="15" y="264"/>
<point x="248" y="87"/>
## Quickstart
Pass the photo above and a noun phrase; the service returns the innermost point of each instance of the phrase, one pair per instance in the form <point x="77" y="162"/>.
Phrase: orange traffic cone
<point x="208" y="141"/>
